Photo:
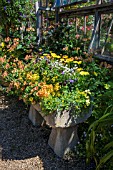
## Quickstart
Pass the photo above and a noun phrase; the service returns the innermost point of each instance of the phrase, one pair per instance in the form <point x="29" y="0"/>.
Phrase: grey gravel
<point x="25" y="147"/>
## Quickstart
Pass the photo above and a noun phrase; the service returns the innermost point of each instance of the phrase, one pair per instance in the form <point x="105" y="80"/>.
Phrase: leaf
<point x="19" y="46"/>
<point x="109" y="145"/>
<point x="105" y="159"/>
<point x="92" y="141"/>
<point x="108" y="121"/>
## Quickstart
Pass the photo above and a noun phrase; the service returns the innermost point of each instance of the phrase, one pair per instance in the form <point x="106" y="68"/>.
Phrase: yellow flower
<point x="65" y="56"/>
<point x="95" y="73"/>
<point x="61" y="59"/>
<point x="87" y="102"/>
<point x="57" y="56"/>
<point x="68" y="60"/>
<point x="53" y="93"/>
<point x="40" y="49"/>
<point x="77" y="62"/>
<point x="107" y="86"/>
<point x="87" y="91"/>
<point x="2" y="44"/>
<point x="32" y="77"/>
<point x="31" y="99"/>
<point x="42" y="56"/>
<point x="45" y="73"/>
<point x="20" y="78"/>
<point x="45" y="54"/>
<point x="53" y="55"/>
<point x="53" y="79"/>
<point x="79" y="69"/>
<point x="84" y="73"/>
<point x="58" y="94"/>
<point x="56" y="87"/>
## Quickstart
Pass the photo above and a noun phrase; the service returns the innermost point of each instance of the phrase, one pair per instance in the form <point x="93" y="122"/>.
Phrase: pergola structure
<point x="59" y="8"/>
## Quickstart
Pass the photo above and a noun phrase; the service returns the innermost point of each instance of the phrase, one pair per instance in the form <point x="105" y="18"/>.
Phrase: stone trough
<point x="63" y="137"/>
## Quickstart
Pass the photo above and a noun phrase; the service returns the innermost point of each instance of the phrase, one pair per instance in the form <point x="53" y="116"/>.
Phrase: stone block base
<point x="63" y="137"/>
<point x="62" y="140"/>
<point x="35" y="117"/>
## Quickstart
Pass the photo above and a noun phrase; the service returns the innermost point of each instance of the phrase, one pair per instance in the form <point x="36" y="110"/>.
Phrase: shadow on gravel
<point x="20" y="140"/>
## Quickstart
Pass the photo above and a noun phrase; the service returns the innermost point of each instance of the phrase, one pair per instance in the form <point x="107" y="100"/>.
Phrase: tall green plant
<point x="100" y="133"/>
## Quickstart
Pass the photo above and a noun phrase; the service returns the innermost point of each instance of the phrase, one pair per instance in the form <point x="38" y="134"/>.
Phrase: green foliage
<point x="66" y="40"/>
<point x="14" y="13"/>
<point x="99" y="145"/>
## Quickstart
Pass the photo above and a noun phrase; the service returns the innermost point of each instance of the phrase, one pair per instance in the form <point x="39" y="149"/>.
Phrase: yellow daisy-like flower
<point x="40" y="49"/>
<point x="45" y="54"/>
<point x="79" y="69"/>
<point x="31" y="99"/>
<point x="53" y="55"/>
<point x="77" y="62"/>
<point x="61" y="59"/>
<point x="56" y="87"/>
<point x="57" y="56"/>
<point x="42" y="56"/>
<point x="68" y="60"/>
<point x="65" y="56"/>
<point x="84" y="73"/>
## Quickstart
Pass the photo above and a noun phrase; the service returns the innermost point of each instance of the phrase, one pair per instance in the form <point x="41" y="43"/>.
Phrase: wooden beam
<point x="90" y="10"/>
<point x="106" y="58"/>
<point x="70" y="3"/>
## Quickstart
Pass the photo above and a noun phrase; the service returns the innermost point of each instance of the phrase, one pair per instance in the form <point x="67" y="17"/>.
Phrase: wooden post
<point x="56" y="14"/>
<point x="47" y="15"/>
<point x="109" y="29"/>
<point x="94" y="39"/>
<point x="38" y="22"/>
<point x="84" y="25"/>
<point x="76" y="25"/>
<point x="97" y="35"/>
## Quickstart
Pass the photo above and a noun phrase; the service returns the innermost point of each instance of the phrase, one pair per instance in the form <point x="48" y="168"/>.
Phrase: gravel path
<point x="23" y="146"/>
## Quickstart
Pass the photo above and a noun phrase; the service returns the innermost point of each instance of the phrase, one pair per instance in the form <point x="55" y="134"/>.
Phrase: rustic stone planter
<point x="63" y="137"/>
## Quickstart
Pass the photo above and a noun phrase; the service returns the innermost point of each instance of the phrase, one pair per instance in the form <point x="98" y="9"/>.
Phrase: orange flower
<point x="5" y="74"/>
<point x="15" y="40"/>
<point x="7" y="66"/>
<point x="27" y="57"/>
<point x="7" y="39"/>
<point x="17" y="85"/>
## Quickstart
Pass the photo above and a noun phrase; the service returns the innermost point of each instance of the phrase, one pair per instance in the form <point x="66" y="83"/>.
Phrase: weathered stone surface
<point x="63" y="137"/>
<point x="35" y="117"/>
<point x="64" y="118"/>
<point x="62" y="140"/>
